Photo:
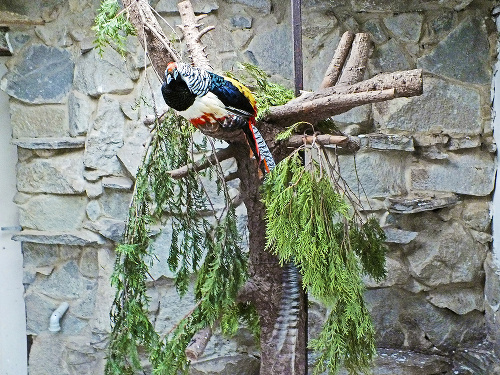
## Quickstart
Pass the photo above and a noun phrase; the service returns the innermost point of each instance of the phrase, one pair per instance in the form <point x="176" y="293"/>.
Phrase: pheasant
<point x="204" y="98"/>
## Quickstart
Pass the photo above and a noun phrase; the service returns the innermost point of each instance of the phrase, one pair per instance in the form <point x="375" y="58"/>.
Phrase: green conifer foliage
<point x="312" y="221"/>
<point x="160" y="199"/>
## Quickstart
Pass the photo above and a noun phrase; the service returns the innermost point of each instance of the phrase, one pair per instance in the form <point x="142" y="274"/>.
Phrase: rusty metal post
<point x="297" y="45"/>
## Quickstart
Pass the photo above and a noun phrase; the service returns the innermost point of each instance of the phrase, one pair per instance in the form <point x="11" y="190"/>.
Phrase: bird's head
<point x="172" y="72"/>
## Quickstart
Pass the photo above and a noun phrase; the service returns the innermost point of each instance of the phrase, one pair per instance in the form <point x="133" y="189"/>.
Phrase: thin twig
<point x="223" y="154"/>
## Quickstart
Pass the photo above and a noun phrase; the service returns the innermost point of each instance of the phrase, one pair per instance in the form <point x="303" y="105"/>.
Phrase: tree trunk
<point x="280" y="354"/>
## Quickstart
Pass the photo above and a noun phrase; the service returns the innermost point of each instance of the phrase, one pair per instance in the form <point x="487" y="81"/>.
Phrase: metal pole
<point x="297" y="45"/>
<point x="298" y="70"/>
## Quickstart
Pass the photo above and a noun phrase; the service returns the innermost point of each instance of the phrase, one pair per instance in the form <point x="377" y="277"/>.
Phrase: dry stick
<point x="220" y="155"/>
<point x="329" y="106"/>
<point x="198" y="343"/>
<point x="355" y="67"/>
<point x="405" y="83"/>
<point x="339" y="57"/>
<point x="192" y="36"/>
<point x="141" y="15"/>
<point x="322" y="139"/>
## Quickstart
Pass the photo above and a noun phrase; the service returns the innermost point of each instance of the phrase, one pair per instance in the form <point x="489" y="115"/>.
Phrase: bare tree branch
<point x="339" y="58"/>
<point x="150" y="34"/>
<point x="325" y="140"/>
<point x="192" y="36"/>
<point x="405" y="83"/>
<point x="355" y="68"/>
<point x="220" y="155"/>
<point x="198" y="343"/>
<point x="321" y="108"/>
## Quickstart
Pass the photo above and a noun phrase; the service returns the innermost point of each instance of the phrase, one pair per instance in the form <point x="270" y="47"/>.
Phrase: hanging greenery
<point x="159" y="198"/>
<point x="312" y="221"/>
<point x="111" y="27"/>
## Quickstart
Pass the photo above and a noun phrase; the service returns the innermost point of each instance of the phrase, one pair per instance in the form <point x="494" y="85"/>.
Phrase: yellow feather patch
<point x="243" y="89"/>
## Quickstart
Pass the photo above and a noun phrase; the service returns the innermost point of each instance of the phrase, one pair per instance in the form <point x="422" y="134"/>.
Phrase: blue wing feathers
<point x="230" y="96"/>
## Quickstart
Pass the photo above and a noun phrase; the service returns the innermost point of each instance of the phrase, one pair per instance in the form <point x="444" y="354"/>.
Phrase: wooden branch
<point x="405" y="83"/>
<point x="324" y="140"/>
<point x="220" y="155"/>
<point x="354" y="69"/>
<point x="198" y="343"/>
<point x="192" y="36"/>
<point x="150" y="34"/>
<point x="339" y="58"/>
<point x="321" y="108"/>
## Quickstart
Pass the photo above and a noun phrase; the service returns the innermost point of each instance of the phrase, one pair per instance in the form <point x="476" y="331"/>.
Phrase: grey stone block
<point x="398" y="6"/>
<point x="455" y="175"/>
<point x="442" y="108"/>
<point x="89" y="264"/>
<point x="394" y="235"/>
<point x="414" y="204"/>
<point x="241" y="22"/>
<point x="58" y="175"/>
<point x="199" y="6"/>
<point x="80" y="109"/>
<point x="388" y="57"/>
<point x="271" y="50"/>
<point x="115" y="204"/>
<point x="50" y="143"/>
<point x="468" y="44"/>
<point x="105" y="137"/>
<point x="46" y="356"/>
<point x="405" y="26"/>
<point x="117" y="183"/>
<point x="373" y="26"/>
<point x="52" y="212"/>
<point x="459" y="300"/>
<point x="65" y="283"/>
<point x="77" y="238"/>
<point x="39" y="255"/>
<point x="379" y="141"/>
<point x="95" y="76"/>
<point x="380" y="174"/>
<point x="407" y="362"/>
<point x="93" y="210"/>
<point x="109" y="228"/>
<point x="43" y="75"/>
<point x="406" y="321"/>
<point x="263" y="6"/>
<point x="444" y="253"/>
<point x="38" y="121"/>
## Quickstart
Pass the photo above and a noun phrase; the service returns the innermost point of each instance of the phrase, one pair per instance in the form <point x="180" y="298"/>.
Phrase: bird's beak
<point x="168" y="78"/>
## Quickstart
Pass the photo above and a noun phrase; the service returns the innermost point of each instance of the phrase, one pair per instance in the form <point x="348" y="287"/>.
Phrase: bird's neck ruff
<point x="198" y="80"/>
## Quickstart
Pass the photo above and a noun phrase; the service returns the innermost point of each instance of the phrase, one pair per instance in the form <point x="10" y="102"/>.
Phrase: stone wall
<point x="427" y="172"/>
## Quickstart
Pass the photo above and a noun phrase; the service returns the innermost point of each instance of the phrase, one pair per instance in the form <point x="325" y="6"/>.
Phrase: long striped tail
<point x="259" y="147"/>
<point x="285" y="332"/>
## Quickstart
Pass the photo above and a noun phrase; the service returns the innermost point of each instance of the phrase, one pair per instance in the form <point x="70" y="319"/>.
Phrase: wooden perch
<point x="150" y="34"/>
<point x="192" y="35"/>
<point x="198" y="343"/>
<point x="220" y="155"/>
<point x="321" y="108"/>
<point x="324" y="140"/>
<point x="355" y="67"/>
<point x="339" y="58"/>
